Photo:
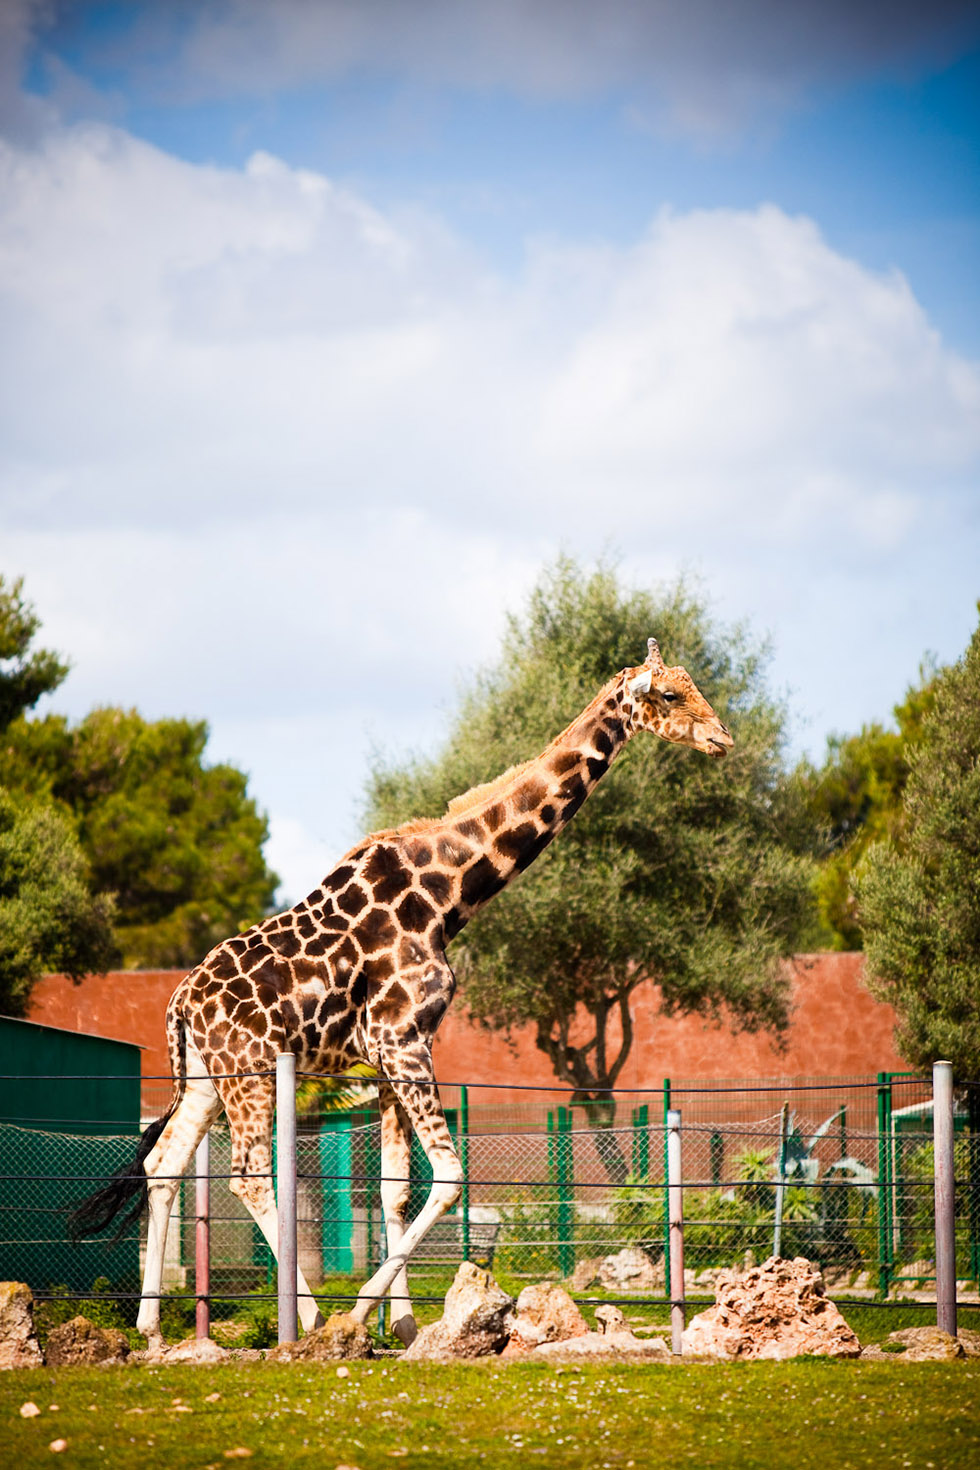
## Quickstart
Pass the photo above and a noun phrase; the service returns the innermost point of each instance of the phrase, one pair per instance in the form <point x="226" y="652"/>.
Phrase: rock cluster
<point x="19" y="1347"/>
<point x="776" y="1310"/>
<point x="339" y="1337"/>
<point x="80" y="1341"/>
<point x="544" y="1322"/>
<point x="628" y="1270"/>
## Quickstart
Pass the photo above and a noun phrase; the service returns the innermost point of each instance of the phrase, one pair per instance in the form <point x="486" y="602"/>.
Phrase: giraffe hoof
<point x="405" y="1330"/>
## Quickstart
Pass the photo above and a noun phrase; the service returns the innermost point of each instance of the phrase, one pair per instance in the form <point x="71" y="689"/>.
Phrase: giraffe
<point x="357" y="972"/>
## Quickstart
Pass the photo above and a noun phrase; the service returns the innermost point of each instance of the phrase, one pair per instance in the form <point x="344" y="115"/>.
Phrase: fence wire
<point x="841" y="1174"/>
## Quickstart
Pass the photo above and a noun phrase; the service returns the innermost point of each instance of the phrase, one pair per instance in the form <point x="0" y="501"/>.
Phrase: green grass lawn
<point x="809" y="1412"/>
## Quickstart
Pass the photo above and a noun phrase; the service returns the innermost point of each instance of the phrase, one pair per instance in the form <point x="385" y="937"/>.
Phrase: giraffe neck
<point x="497" y="831"/>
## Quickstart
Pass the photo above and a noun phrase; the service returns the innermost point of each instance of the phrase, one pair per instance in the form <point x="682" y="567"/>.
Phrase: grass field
<point x="805" y="1413"/>
<point x="810" y="1412"/>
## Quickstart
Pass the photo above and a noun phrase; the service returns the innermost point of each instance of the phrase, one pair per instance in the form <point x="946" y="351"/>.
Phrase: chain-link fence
<point x="839" y="1170"/>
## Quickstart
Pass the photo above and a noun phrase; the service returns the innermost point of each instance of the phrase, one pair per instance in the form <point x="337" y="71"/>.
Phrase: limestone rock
<point x="586" y="1274"/>
<point x="927" y="1345"/>
<point x="609" y="1319"/>
<point x="970" y="1339"/>
<point x="631" y="1270"/>
<point x="19" y="1347"/>
<point x="477" y="1319"/>
<point x="776" y="1310"/>
<point x="192" y="1350"/>
<point x="80" y="1341"/>
<point x="339" y="1337"/>
<point x="615" y="1344"/>
<point x="546" y="1313"/>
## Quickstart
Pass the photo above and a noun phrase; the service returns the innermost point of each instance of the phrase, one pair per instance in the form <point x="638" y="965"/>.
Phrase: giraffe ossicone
<point x="357" y="972"/>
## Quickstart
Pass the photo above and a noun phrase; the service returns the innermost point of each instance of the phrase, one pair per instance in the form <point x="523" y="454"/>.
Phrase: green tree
<point x="856" y="797"/>
<point x="177" y="841"/>
<point x="134" y="812"/>
<point x="919" y="900"/>
<point x="689" y="872"/>
<point x="49" y="918"/>
<point x="25" y="673"/>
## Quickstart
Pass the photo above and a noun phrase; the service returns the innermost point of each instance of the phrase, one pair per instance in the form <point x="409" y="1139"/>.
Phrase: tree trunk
<point x="593" y="1082"/>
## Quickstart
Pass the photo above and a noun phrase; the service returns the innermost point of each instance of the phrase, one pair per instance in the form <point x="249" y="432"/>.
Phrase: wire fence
<point x="839" y="1170"/>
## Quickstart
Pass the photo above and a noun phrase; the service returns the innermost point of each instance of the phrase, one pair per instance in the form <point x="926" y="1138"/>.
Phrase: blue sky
<point x="322" y="318"/>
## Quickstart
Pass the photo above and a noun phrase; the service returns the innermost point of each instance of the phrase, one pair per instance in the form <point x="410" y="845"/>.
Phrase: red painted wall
<point x="837" y="1029"/>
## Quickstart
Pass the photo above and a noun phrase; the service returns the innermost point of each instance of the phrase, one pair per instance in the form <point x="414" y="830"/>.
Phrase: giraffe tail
<point x="92" y="1215"/>
<point x="96" y="1212"/>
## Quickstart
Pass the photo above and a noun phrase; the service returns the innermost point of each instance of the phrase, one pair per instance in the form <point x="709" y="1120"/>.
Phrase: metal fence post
<point x="286" y="1194"/>
<point x="675" y="1193"/>
<point x="942" y="1132"/>
<point x="884" y="1184"/>
<point x="464" y="1163"/>
<point x="641" y="1142"/>
<point x="666" y="1192"/>
<point x="202" y="1237"/>
<point x="777" y="1229"/>
<point x="566" y="1193"/>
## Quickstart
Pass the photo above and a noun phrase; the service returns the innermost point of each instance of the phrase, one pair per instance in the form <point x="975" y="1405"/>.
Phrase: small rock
<point x="238" y="1453"/>
<point x="605" y="1345"/>
<point x="609" y="1319"/>
<point x="191" y="1350"/>
<point x="586" y="1274"/>
<point x="19" y="1347"/>
<point x="545" y="1313"/>
<point x="631" y="1270"/>
<point x="80" y="1341"/>
<point x="477" y="1320"/>
<point x="343" y="1371"/>
<point x="339" y="1337"/>
<point x="927" y="1345"/>
<point x="29" y="1410"/>
<point x="58" y="1445"/>
<point x="212" y="1398"/>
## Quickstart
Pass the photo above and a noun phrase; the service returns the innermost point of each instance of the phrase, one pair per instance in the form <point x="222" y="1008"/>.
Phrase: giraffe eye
<point x="670" y="696"/>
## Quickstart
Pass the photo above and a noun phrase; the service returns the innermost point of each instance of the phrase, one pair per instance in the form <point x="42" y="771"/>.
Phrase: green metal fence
<point x="554" y="1190"/>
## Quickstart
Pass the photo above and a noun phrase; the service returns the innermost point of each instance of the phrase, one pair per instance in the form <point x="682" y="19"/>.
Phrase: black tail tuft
<point x="90" y="1216"/>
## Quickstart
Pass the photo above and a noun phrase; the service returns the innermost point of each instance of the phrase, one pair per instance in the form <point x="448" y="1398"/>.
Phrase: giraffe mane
<point x="486" y="790"/>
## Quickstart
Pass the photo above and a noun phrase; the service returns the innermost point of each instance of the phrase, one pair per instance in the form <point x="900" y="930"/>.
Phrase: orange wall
<point x="837" y="1029"/>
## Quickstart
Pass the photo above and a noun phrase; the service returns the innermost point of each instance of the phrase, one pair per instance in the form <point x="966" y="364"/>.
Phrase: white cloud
<point x="278" y="459"/>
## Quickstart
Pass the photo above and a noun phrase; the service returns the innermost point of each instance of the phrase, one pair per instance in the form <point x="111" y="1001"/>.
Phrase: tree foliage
<point x="49" y="918"/>
<point x="856" y="797"/>
<point x="919" y="899"/>
<point x="25" y="673"/>
<point x="133" y="811"/>
<point x="178" y="842"/>
<point x="689" y="872"/>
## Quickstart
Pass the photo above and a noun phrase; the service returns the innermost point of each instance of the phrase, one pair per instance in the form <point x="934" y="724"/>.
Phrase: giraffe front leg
<point x="396" y="1140"/>
<point x="419" y="1098"/>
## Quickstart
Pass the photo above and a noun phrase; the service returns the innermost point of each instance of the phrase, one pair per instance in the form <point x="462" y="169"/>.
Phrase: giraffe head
<point x="668" y="702"/>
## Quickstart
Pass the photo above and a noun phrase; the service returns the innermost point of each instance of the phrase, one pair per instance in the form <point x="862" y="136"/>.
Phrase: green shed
<point x="69" y="1117"/>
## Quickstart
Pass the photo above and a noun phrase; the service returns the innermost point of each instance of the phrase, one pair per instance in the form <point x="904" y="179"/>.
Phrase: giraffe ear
<point x="641" y="684"/>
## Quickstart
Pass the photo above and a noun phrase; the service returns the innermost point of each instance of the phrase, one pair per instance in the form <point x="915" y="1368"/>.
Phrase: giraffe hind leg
<point x="198" y="1108"/>
<point x="396" y="1138"/>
